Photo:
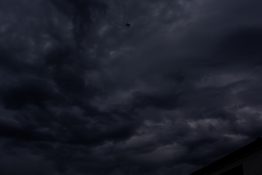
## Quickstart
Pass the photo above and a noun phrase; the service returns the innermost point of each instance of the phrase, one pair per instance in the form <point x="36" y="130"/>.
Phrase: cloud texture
<point x="82" y="92"/>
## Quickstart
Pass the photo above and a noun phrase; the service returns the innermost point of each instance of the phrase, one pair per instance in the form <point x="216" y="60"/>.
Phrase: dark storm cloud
<point x="83" y="93"/>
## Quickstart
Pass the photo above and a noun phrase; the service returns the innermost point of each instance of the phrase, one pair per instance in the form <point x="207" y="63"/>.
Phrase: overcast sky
<point x="127" y="87"/>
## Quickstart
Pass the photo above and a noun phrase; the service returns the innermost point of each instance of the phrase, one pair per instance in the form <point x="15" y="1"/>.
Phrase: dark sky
<point x="127" y="87"/>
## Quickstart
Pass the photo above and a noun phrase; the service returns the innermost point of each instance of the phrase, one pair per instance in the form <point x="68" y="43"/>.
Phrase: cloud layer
<point x="82" y="92"/>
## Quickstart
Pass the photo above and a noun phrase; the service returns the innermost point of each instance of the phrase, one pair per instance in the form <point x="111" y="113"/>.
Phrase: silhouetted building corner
<point x="244" y="161"/>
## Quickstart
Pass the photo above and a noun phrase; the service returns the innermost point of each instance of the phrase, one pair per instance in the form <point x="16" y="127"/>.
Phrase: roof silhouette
<point x="232" y="157"/>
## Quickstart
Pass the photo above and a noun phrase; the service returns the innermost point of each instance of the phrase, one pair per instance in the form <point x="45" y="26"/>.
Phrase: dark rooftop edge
<point x="232" y="157"/>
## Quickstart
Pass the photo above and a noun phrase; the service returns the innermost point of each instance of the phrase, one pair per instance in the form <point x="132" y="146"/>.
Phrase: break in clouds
<point x="114" y="87"/>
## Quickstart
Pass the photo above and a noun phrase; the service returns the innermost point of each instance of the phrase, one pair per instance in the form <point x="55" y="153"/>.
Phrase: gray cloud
<point x="82" y="92"/>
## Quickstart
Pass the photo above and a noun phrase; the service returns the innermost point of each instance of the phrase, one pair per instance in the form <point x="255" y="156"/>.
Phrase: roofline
<point x="232" y="157"/>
